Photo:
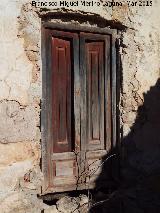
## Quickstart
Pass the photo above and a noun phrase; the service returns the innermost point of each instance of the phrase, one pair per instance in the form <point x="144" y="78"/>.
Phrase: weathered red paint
<point x="61" y="95"/>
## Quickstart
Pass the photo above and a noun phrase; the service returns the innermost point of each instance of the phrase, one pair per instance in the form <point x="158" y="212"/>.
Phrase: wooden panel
<point x="64" y="181"/>
<point x="46" y="115"/>
<point x="61" y="68"/>
<point x="63" y="76"/>
<point x="77" y="95"/>
<point x="66" y="155"/>
<point x="94" y="169"/>
<point x="83" y="103"/>
<point x="108" y="98"/>
<point x="93" y="163"/>
<point x="96" y="108"/>
<point x="78" y="89"/>
<point x="64" y="169"/>
<point x="95" y="94"/>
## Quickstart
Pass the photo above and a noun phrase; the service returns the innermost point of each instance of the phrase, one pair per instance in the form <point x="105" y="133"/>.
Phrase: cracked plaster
<point x="20" y="86"/>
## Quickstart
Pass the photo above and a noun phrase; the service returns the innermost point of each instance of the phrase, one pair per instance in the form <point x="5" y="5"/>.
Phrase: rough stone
<point x="83" y="209"/>
<point x="17" y="152"/>
<point x="51" y="209"/>
<point x="83" y="200"/>
<point x="68" y="204"/>
<point x="17" y="123"/>
<point x="10" y="175"/>
<point x="21" y="92"/>
<point x="20" y="203"/>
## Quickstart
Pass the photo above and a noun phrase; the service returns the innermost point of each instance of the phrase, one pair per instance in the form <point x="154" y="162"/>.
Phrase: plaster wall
<point x="21" y="86"/>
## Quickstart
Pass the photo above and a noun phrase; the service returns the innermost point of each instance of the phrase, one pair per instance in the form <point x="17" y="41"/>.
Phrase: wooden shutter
<point x="62" y="129"/>
<point x="95" y="94"/>
<point x="77" y="105"/>
<point x="96" y="110"/>
<point x="62" y="96"/>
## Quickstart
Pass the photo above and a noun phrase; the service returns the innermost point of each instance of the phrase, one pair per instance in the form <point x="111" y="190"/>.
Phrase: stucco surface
<point x="21" y="86"/>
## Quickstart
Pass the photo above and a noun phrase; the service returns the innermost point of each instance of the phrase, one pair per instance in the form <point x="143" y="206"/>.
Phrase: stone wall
<point x="21" y="86"/>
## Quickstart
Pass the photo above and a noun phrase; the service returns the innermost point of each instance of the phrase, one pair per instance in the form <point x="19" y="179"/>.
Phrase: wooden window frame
<point x="46" y="85"/>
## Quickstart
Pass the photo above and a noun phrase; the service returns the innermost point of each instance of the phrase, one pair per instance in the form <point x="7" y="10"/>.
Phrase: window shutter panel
<point x="96" y="140"/>
<point x="62" y="167"/>
<point x="61" y="95"/>
<point x="78" y="108"/>
<point x="95" y="95"/>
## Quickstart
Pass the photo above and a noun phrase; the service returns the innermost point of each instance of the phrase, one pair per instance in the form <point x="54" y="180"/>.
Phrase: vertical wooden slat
<point x="108" y="96"/>
<point x="84" y="121"/>
<point x="61" y="79"/>
<point x="77" y="109"/>
<point x="114" y="93"/>
<point x="61" y="95"/>
<point x="69" y="104"/>
<point x="44" y="123"/>
<point x="102" y="63"/>
<point x="95" y="94"/>
<point x="47" y="113"/>
<point x="77" y="95"/>
<point x="95" y="108"/>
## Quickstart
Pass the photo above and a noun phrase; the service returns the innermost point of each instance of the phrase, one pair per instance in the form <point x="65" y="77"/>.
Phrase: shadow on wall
<point x="136" y="187"/>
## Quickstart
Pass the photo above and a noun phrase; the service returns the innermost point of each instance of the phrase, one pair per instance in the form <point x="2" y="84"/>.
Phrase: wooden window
<point x="78" y="116"/>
